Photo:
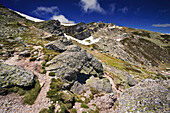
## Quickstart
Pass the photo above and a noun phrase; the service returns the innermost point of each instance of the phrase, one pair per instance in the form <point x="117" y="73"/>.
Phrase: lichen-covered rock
<point x="102" y="85"/>
<point x="15" y="76"/>
<point x="59" y="45"/>
<point x="148" y="96"/>
<point x="92" y="83"/>
<point x="69" y="64"/>
<point x="105" y="102"/>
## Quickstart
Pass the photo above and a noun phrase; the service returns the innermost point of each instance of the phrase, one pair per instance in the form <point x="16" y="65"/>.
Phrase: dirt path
<point x="111" y="79"/>
<point x="16" y="104"/>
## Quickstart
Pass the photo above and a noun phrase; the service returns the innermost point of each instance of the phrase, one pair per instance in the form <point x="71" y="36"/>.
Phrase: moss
<point x="91" y="96"/>
<point x="33" y="58"/>
<point x="84" y="105"/>
<point x="43" y="67"/>
<point x="73" y="110"/>
<point x="32" y="94"/>
<point x="84" y="112"/>
<point x="52" y="74"/>
<point x="44" y="110"/>
<point x="63" y="108"/>
<point x="79" y="100"/>
<point x="29" y="94"/>
<point x="43" y="72"/>
<point x="55" y="86"/>
<point x="93" y="90"/>
<point x="51" y="109"/>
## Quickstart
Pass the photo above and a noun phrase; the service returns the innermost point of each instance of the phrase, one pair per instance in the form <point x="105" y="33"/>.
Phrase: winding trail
<point x="111" y="79"/>
<point x="17" y="102"/>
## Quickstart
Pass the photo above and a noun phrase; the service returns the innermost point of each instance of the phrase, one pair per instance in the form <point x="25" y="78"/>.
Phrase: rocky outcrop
<point x="69" y="64"/>
<point x="82" y="31"/>
<point x="148" y="96"/>
<point x="102" y="85"/>
<point x="87" y="83"/>
<point x="51" y="26"/>
<point x="105" y="102"/>
<point x="59" y="45"/>
<point x="79" y="31"/>
<point x="15" y="76"/>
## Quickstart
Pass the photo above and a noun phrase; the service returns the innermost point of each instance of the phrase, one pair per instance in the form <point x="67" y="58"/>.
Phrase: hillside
<point x="99" y="67"/>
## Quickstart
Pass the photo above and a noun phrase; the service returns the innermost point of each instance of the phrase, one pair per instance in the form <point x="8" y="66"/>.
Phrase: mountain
<point x="48" y="67"/>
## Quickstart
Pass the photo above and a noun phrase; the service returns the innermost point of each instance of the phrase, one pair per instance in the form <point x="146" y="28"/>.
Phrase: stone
<point x="59" y="45"/>
<point x="102" y="85"/>
<point x="147" y="96"/>
<point x="25" y="53"/>
<point x="69" y="64"/>
<point x="105" y="102"/>
<point x="15" y="76"/>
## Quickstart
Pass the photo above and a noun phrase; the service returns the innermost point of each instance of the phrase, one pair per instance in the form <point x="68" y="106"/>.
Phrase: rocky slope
<point x="49" y="67"/>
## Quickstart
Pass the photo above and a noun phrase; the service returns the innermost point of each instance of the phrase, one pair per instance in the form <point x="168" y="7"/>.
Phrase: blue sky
<point x="151" y="15"/>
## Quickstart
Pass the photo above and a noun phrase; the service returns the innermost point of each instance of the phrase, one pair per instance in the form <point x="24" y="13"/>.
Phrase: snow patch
<point x="87" y="41"/>
<point x="29" y="17"/>
<point x="118" y="39"/>
<point x="68" y="24"/>
<point x="112" y="27"/>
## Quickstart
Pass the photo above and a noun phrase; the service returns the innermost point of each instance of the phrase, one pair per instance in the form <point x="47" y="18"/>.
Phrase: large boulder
<point x="69" y="64"/>
<point x="102" y="85"/>
<point x="85" y="83"/>
<point x="15" y="76"/>
<point x="79" y="31"/>
<point x="151" y="96"/>
<point x="59" y="45"/>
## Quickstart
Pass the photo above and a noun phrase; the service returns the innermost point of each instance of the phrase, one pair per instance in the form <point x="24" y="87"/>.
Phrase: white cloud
<point x="51" y="13"/>
<point x="61" y="18"/>
<point x="41" y="11"/>
<point x="161" y="25"/>
<point x="112" y="8"/>
<point x="91" y="5"/>
<point x="124" y="10"/>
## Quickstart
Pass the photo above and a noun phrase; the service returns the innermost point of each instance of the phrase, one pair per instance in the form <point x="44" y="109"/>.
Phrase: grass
<point x="55" y="86"/>
<point x="84" y="105"/>
<point x="44" y="110"/>
<point x="44" y="71"/>
<point x="52" y="74"/>
<point x="51" y="109"/>
<point x="115" y="62"/>
<point x="29" y="95"/>
<point x="73" y="110"/>
<point x="32" y="94"/>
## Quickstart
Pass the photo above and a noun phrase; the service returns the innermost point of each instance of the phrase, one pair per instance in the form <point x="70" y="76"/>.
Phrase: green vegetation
<point x="32" y="94"/>
<point x="44" y="110"/>
<point x="94" y="90"/>
<point x="73" y="110"/>
<point x="29" y="94"/>
<point x="84" y="105"/>
<point x="49" y="110"/>
<point x="52" y="74"/>
<point x="33" y="58"/>
<point x="44" y="71"/>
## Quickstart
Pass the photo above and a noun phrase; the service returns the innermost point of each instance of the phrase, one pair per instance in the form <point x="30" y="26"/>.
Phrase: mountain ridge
<point x="92" y="67"/>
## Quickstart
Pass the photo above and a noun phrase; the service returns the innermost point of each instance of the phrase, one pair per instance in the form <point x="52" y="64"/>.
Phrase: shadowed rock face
<point x="147" y="96"/>
<point x="15" y="76"/>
